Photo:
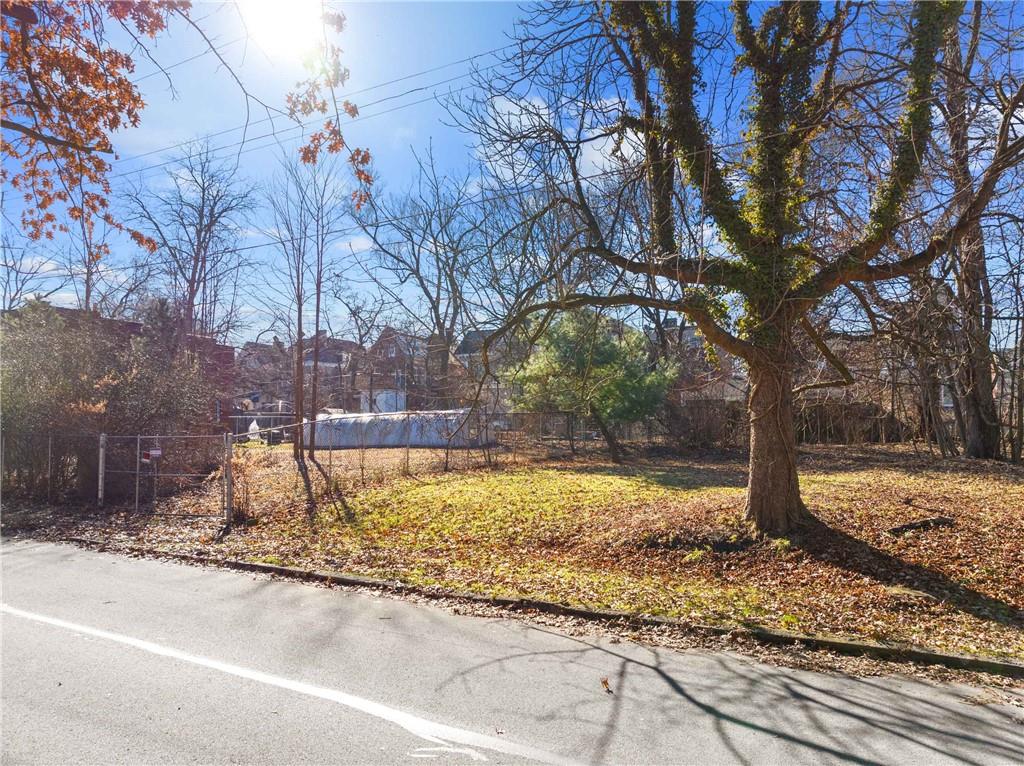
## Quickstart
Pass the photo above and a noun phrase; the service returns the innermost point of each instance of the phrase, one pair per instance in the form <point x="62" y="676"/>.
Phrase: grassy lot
<point x="664" y="536"/>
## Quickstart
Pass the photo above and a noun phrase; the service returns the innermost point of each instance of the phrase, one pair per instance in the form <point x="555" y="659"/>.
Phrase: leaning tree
<point x="691" y="148"/>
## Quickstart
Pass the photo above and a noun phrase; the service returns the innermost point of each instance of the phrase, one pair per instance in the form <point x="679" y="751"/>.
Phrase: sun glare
<point x="283" y="28"/>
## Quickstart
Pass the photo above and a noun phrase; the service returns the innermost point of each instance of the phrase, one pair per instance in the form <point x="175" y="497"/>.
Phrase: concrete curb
<point x="887" y="651"/>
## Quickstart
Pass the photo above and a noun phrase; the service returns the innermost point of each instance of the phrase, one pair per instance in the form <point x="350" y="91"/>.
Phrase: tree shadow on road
<point x="812" y="718"/>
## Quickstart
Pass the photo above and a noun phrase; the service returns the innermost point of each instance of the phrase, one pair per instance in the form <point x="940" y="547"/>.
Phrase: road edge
<point x="885" y="651"/>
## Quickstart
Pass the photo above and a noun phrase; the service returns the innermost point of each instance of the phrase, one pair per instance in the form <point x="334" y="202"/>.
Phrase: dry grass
<point x="658" y="536"/>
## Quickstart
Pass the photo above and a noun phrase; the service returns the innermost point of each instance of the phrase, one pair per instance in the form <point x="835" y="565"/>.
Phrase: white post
<point x="408" y="438"/>
<point x="229" y="495"/>
<point x="49" y="466"/>
<point x="138" y="468"/>
<point x="102" y="469"/>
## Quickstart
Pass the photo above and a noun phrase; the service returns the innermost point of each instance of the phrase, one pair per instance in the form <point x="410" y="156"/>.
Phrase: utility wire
<point x="277" y="135"/>
<point x="358" y="92"/>
<point x="175" y="65"/>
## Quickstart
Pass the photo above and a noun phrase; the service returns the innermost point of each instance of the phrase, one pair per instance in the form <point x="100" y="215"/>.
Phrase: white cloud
<point x="358" y="244"/>
<point x="604" y="154"/>
<point x="65" y="299"/>
<point x="41" y="265"/>
<point x="521" y="113"/>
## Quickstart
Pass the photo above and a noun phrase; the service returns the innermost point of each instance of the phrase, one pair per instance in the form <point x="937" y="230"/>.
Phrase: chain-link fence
<point x="150" y="473"/>
<point x="230" y="474"/>
<point x="301" y="464"/>
<point x="52" y="467"/>
<point x="141" y="470"/>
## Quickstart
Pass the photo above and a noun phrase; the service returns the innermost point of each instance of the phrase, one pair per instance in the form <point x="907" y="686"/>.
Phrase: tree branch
<point x="830" y="357"/>
<point x="853" y="266"/>
<point x="692" y="308"/>
<point x="52" y="140"/>
<point x="672" y="54"/>
<point x="695" y="271"/>
<point x="931" y="22"/>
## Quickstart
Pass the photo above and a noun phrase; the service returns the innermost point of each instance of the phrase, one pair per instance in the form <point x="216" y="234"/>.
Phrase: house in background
<point x="398" y="371"/>
<point x="264" y="373"/>
<point x="406" y="371"/>
<point x="721" y="378"/>
<point x="497" y="393"/>
<point x="702" y="378"/>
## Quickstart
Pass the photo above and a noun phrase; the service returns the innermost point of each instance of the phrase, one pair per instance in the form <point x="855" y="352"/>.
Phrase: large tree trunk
<point x="974" y="375"/>
<point x="974" y="294"/>
<point x="773" y="489"/>
<point x="979" y="407"/>
<point x="609" y="437"/>
<point x="933" y="425"/>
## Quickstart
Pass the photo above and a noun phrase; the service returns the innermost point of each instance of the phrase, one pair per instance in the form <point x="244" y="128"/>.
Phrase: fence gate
<point x="166" y="474"/>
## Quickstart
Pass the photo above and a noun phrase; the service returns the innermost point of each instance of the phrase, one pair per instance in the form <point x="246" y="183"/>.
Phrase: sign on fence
<point x="149" y="455"/>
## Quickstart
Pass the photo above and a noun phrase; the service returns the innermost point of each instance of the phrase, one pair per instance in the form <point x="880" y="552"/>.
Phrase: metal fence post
<point x="229" y="495"/>
<point x="408" y="440"/>
<point x="138" y="468"/>
<point x="49" y="466"/>
<point x="102" y="469"/>
<point x="155" y="462"/>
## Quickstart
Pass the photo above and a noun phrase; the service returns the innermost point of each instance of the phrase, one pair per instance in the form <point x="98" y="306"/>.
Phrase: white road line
<point x="437" y="733"/>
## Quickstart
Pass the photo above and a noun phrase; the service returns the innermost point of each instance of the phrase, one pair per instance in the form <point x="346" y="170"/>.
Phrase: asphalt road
<point x="111" y="659"/>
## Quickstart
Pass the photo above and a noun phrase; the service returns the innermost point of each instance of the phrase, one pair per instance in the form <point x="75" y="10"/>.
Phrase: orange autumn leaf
<point x="317" y="95"/>
<point x="65" y="90"/>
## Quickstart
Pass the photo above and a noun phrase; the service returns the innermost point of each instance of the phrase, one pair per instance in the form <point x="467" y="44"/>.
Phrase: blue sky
<point x="382" y="42"/>
<point x="424" y="45"/>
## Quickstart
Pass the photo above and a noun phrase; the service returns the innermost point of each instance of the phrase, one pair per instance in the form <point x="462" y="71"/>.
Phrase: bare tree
<point x="289" y="219"/>
<point x="100" y="284"/>
<point x="425" y="246"/>
<point x="197" y="219"/>
<point x="323" y="197"/>
<point x="364" y="314"/>
<point x="945" y="316"/>
<point x="967" y="94"/>
<point x="25" y="273"/>
<point x="306" y="203"/>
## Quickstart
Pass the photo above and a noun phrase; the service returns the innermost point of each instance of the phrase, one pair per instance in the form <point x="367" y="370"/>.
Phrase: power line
<point x="475" y="200"/>
<point x="479" y="198"/>
<point x="175" y="65"/>
<point x="277" y="135"/>
<point x="358" y="92"/>
<point x="354" y="229"/>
